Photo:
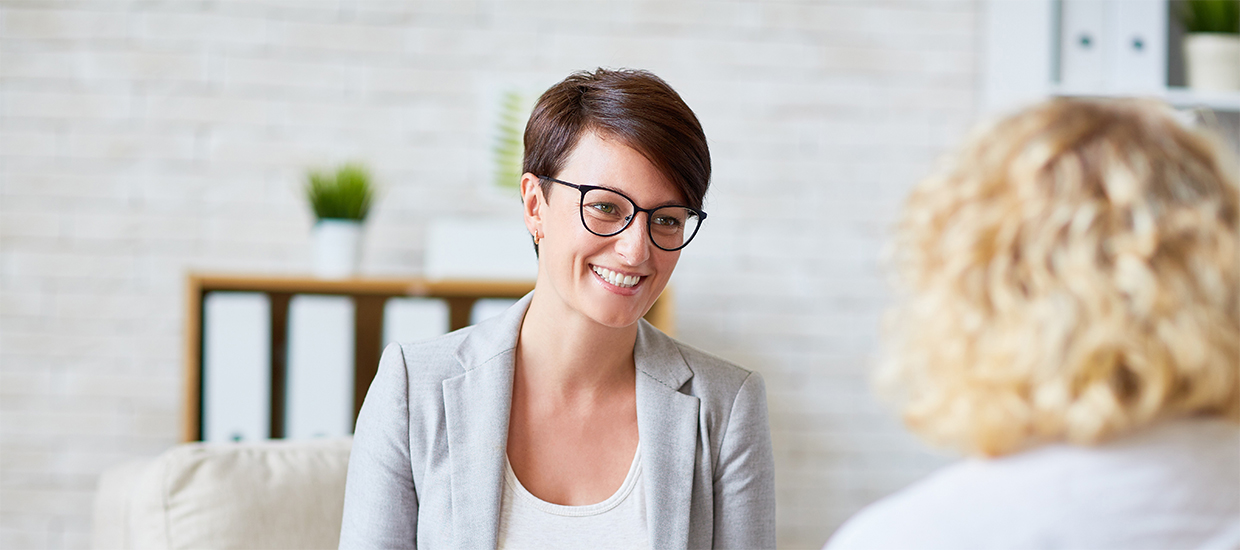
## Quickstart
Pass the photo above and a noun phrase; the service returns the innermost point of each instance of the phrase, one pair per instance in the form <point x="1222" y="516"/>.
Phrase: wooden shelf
<point x="370" y="286"/>
<point x="369" y="295"/>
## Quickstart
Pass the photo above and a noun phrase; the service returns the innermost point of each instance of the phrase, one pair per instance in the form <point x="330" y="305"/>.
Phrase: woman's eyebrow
<point x="626" y="195"/>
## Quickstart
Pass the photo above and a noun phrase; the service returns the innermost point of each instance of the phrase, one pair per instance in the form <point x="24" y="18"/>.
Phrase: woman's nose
<point x="634" y="242"/>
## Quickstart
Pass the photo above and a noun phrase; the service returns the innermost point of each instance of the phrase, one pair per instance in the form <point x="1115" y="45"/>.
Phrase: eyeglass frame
<point x="636" y="209"/>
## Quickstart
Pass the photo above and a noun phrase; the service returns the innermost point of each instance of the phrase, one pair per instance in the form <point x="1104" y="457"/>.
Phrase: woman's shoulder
<point x="702" y="363"/>
<point x="1065" y="492"/>
<point x="711" y="366"/>
<point x="709" y="377"/>
<point x="946" y="509"/>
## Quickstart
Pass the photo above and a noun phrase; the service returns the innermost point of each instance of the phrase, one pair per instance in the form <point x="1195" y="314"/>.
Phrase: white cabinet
<point x="1041" y="48"/>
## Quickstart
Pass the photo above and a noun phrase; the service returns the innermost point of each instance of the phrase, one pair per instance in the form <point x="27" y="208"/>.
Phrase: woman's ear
<point x="532" y="199"/>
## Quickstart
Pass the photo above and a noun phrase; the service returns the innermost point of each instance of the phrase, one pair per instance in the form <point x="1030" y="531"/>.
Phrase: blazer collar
<point x="477" y="404"/>
<point x="493" y="336"/>
<point x="658" y="356"/>
<point x="667" y="424"/>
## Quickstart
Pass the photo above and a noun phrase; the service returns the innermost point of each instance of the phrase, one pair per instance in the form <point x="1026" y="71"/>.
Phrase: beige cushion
<point x="271" y="494"/>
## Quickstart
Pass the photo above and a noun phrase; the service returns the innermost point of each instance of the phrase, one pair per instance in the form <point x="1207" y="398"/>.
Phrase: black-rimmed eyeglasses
<point x="606" y="212"/>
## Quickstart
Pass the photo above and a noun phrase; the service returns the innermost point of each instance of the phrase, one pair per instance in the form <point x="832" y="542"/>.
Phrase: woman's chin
<point x="615" y="317"/>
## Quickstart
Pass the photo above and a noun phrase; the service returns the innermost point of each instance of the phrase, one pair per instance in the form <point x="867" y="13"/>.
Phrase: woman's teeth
<point x="622" y="281"/>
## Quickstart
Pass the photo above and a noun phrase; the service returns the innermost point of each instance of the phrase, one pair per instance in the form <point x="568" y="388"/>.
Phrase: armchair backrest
<point x="272" y="494"/>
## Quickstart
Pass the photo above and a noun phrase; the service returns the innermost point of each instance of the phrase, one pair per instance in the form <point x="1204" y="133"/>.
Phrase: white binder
<point x="488" y="308"/>
<point x="1112" y="46"/>
<point x="1138" y="46"/>
<point x="236" y="367"/>
<point x="414" y="319"/>
<point x="319" y="382"/>
<point x="1083" y="50"/>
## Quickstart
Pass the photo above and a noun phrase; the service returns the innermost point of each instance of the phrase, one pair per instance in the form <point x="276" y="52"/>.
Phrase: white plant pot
<point x="1212" y="61"/>
<point x="337" y="248"/>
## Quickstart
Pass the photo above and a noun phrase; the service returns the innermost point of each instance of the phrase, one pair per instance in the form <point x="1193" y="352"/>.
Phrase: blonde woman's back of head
<point x="1073" y="273"/>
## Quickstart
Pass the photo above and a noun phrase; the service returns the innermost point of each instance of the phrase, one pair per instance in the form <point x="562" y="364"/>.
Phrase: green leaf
<point x="344" y="194"/>
<point x="1214" y="16"/>
<point x="509" y="149"/>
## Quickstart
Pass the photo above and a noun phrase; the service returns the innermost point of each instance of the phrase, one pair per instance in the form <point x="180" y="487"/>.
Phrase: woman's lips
<point x="617" y="279"/>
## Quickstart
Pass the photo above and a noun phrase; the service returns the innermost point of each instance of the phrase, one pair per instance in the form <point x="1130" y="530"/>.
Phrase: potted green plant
<point x="1211" y="43"/>
<point x="509" y="149"/>
<point x="341" y="200"/>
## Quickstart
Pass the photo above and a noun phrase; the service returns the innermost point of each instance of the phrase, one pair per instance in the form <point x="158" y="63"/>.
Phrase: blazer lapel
<point x="667" y="423"/>
<point x="476" y="409"/>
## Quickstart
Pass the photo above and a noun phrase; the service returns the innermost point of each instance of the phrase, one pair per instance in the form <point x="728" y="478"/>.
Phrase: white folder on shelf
<point x="1083" y="38"/>
<point x="319" y="382"/>
<point x="1112" y="46"/>
<point x="414" y="319"/>
<point x="489" y="307"/>
<point x="236" y="366"/>
<point x="1138" y="46"/>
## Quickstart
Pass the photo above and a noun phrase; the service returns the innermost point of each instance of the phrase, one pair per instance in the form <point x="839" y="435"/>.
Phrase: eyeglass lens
<point x="607" y="213"/>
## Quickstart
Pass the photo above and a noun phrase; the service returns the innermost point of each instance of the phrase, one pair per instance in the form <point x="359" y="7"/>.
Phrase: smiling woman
<point x="568" y="421"/>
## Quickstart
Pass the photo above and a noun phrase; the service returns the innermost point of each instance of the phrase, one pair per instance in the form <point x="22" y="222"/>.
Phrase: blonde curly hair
<point x="1070" y="275"/>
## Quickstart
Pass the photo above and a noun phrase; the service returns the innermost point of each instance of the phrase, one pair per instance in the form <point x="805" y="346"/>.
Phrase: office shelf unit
<point x="1099" y="48"/>
<point x="368" y="297"/>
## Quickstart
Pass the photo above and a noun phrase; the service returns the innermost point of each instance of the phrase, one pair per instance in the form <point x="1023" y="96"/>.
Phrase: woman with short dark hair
<point x="568" y="421"/>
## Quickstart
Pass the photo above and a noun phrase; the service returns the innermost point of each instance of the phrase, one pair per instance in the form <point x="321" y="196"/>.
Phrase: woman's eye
<point x="667" y="221"/>
<point x="604" y="208"/>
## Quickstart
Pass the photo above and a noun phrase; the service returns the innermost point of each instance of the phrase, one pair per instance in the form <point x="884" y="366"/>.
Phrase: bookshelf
<point x="1099" y="48"/>
<point x="368" y="297"/>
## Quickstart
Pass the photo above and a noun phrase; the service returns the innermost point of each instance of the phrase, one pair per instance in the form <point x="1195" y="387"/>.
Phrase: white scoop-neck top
<point x="527" y="521"/>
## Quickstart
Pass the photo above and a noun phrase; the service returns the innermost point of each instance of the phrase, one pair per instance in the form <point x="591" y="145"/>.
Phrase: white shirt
<point x="1173" y="485"/>
<point x="527" y="521"/>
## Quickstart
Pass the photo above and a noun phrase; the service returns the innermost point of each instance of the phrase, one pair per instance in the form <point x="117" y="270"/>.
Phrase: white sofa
<point x="270" y="494"/>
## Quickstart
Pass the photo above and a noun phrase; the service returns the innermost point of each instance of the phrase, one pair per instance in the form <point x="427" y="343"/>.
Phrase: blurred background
<point x="142" y="141"/>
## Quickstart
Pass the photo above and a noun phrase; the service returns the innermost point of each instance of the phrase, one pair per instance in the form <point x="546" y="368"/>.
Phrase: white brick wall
<point x="142" y="140"/>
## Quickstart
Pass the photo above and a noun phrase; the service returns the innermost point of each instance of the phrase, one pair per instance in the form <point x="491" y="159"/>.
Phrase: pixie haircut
<point x="1069" y="276"/>
<point x="635" y="107"/>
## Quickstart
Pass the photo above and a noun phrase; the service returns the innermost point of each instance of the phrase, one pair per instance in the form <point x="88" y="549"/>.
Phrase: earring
<point x="537" y="238"/>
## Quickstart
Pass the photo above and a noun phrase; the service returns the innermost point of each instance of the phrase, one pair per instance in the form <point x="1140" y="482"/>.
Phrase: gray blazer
<point x="427" y="464"/>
